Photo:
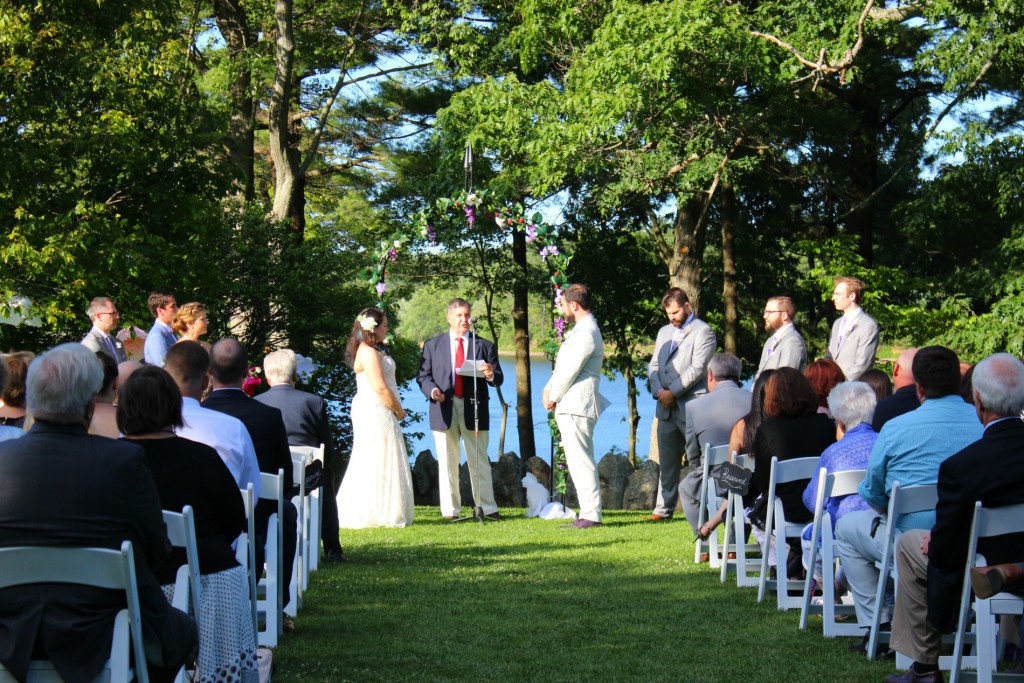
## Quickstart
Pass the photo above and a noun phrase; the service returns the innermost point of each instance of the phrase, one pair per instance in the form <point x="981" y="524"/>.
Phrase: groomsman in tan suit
<point x="572" y="392"/>
<point x="677" y="374"/>
<point x="785" y="348"/>
<point x="854" y="339"/>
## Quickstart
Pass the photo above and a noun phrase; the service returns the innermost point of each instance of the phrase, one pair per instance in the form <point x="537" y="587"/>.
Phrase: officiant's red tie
<point x="460" y="358"/>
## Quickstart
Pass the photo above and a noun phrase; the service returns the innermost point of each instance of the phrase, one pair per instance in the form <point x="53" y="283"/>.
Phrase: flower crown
<point x="367" y="323"/>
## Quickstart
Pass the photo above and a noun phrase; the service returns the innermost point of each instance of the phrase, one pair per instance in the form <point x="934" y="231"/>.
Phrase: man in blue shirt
<point x="161" y="336"/>
<point x="909" y="450"/>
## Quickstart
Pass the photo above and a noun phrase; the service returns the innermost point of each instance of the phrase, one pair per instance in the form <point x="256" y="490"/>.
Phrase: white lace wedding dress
<point x="377" y="488"/>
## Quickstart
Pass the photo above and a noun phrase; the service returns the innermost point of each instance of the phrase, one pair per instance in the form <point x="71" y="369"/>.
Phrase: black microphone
<point x="472" y="321"/>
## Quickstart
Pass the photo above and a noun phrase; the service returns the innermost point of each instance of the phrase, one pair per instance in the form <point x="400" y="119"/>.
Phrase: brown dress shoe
<point x="659" y="518"/>
<point x="704" y="557"/>
<point x="996" y="578"/>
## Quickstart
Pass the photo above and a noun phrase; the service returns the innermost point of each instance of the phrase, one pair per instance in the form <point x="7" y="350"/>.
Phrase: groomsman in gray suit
<point x="709" y="421"/>
<point x="854" y="337"/>
<point x="677" y="374"/>
<point x="572" y="392"/>
<point x="101" y="339"/>
<point x="785" y="348"/>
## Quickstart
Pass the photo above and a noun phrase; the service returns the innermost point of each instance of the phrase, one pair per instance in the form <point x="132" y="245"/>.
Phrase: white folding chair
<point x="300" y="573"/>
<point x="829" y="486"/>
<point x="987" y="522"/>
<point x="181" y="531"/>
<point x="709" y="503"/>
<point x="245" y="549"/>
<point x="271" y="585"/>
<point x="314" y="503"/>
<point x="903" y="500"/>
<point x="99" y="567"/>
<point x="782" y="472"/>
<point x="747" y="568"/>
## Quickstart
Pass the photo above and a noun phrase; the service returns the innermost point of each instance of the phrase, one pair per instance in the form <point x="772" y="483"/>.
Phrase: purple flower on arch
<point x="381" y="288"/>
<point x="531" y="233"/>
<point x="550" y="250"/>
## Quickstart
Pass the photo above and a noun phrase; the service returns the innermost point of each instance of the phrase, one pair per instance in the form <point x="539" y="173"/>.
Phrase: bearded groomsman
<point x="678" y="374"/>
<point x="854" y="339"/>
<point x="459" y="408"/>
<point x="785" y="348"/>
<point x="572" y="392"/>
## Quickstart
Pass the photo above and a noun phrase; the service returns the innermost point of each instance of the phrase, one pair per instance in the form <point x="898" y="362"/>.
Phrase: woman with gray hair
<point x="852" y="405"/>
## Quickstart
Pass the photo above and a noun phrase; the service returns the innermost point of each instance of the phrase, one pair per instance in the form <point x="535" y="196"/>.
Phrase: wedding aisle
<point x="525" y="600"/>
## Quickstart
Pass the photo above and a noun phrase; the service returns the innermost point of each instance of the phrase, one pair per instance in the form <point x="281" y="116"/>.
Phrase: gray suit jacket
<point x="856" y="354"/>
<point x="710" y="418"/>
<point x="576" y="378"/>
<point x="787" y="351"/>
<point x="96" y="341"/>
<point x="683" y="371"/>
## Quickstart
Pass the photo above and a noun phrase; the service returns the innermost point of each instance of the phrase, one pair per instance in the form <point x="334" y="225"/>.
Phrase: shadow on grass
<point x="524" y="600"/>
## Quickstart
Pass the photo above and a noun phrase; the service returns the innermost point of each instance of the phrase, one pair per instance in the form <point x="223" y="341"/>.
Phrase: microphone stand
<point x="478" y="511"/>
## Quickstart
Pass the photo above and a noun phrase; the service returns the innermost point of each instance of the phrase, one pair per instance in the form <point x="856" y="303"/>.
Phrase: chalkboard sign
<point x="731" y="477"/>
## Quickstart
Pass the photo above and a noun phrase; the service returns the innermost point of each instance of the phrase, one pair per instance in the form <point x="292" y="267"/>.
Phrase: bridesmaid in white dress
<point x="377" y="488"/>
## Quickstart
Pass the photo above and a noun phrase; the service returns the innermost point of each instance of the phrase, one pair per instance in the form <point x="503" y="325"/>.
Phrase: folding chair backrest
<point x="735" y="529"/>
<point x="712" y="457"/>
<point x="903" y="500"/>
<point x="272" y="488"/>
<point x="99" y="567"/>
<point x="246" y="549"/>
<point x="314" y="507"/>
<point x="181" y="531"/>
<point x="987" y="522"/>
<point x="782" y="472"/>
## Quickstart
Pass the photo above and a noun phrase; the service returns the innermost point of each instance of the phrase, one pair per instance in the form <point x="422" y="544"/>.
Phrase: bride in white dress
<point x="377" y="488"/>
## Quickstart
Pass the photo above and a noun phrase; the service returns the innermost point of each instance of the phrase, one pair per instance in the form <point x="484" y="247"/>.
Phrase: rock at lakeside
<point x="424" y="480"/>
<point x="614" y="472"/>
<point x="642" y="490"/>
<point x="507" y="476"/>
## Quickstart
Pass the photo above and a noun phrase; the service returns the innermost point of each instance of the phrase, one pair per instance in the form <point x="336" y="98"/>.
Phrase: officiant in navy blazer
<point x="456" y="403"/>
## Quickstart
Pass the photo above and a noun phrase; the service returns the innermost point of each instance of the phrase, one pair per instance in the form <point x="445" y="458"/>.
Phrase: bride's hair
<point x="360" y="335"/>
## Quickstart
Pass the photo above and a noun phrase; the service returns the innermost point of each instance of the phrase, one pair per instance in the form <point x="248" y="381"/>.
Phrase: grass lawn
<point x="525" y="600"/>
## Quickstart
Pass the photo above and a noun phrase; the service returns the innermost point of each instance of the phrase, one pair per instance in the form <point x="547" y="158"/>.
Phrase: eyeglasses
<point x="767" y="313"/>
<point x="111" y="313"/>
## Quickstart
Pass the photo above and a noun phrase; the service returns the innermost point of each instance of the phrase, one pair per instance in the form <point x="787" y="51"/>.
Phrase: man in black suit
<point x="229" y="365"/>
<point x="97" y="493"/>
<point x="459" y="408"/>
<point x="931" y="564"/>
<point x="305" y="419"/>
<point x="904" y="398"/>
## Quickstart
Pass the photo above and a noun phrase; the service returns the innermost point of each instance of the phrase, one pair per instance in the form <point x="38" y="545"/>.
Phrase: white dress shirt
<point x="225" y="434"/>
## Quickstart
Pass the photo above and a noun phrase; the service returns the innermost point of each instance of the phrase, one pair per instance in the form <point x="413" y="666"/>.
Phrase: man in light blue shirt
<point x="161" y="336"/>
<point x="909" y="450"/>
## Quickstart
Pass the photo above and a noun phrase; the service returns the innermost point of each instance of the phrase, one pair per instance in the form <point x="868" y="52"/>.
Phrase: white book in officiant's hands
<point x="472" y="368"/>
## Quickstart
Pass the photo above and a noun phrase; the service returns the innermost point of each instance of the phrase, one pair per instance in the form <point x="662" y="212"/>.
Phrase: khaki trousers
<point x="912" y="633"/>
<point x="448" y="457"/>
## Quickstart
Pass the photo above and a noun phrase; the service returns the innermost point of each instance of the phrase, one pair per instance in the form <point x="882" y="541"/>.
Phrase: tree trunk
<point x="729" y="265"/>
<point x="634" y="414"/>
<point x="239" y="37"/>
<point x="521" y="328"/>
<point x="285" y="164"/>
<point x="687" y="259"/>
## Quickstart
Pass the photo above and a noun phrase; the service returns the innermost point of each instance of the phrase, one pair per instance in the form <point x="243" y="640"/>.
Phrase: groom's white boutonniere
<point x="367" y="323"/>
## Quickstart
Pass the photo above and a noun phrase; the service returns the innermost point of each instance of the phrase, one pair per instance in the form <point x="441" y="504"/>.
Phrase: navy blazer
<point x="264" y="424"/>
<point x="436" y="373"/>
<point x="305" y="419"/>
<point x="990" y="470"/>
<point x="60" y="486"/>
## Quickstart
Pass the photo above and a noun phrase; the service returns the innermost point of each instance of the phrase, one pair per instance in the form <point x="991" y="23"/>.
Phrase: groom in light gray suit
<point x="677" y="374"/>
<point x="854" y="337"/>
<point x="785" y="348"/>
<point x="709" y="421"/>
<point x="572" y="392"/>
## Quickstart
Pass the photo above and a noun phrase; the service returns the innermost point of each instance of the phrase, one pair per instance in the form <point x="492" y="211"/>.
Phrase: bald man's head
<point x="903" y="373"/>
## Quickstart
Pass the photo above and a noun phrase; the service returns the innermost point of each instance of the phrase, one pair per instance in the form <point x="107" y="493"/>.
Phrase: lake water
<point x="612" y="429"/>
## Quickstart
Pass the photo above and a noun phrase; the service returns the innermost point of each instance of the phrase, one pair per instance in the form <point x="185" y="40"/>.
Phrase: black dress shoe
<point x="495" y="516"/>
<point x="911" y="676"/>
<point x="336" y="556"/>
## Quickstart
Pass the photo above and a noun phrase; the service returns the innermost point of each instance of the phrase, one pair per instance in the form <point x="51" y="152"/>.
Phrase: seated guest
<point x="904" y="397"/>
<point x="98" y="493"/>
<point x="741" y="441"/>
<point x="909" y="450"/>
<point x="124" y="371"/>
<point x="879" y="383"/>
<point x="190" y="322"/>
<point x="824" y="374"/>
<point x="967" y="384"/>
<point x="229" y="364"/>
<point x="190" y="473"/>
<point x="931" y="564"/>
<point x="852" y="404"/>
<point x="305" y="420"/>
<point x="12" y="400"/>
<point x="792" y="428"/>
<point x="104" y="416"/>
<point x="709" y="420"/>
